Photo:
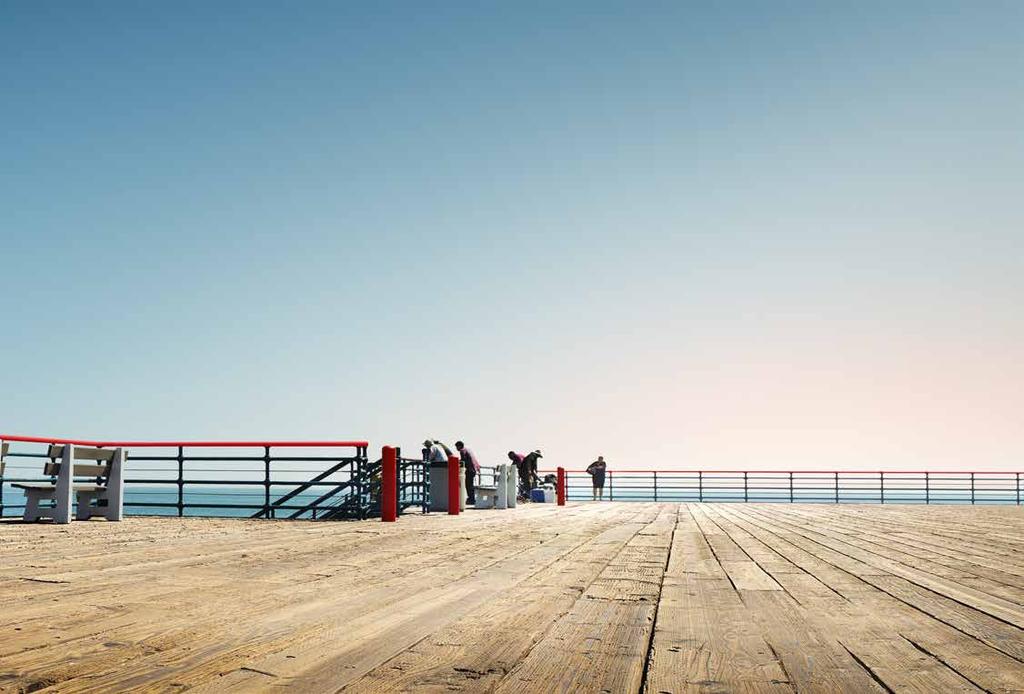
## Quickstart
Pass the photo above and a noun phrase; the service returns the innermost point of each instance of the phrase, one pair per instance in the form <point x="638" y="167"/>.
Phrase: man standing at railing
<point x="472" y="470"/>
<point x="596" y="471"/>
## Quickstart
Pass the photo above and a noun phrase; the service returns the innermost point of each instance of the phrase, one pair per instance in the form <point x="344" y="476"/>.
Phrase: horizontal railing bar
<point x="188" y="444"/>
<point x="240" y="458"/>
<point x="617" y="473"/>
<point x="245" y="483"/>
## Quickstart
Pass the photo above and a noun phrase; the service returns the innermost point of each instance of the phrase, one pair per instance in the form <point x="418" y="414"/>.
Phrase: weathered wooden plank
<point x="754" y="598"/>
<point x="601" y="643"/>
<point x="880" y="565"/>
<point x="473" y="653"/>
<point x="887" y="625"/>
<point x="704" y="639"/>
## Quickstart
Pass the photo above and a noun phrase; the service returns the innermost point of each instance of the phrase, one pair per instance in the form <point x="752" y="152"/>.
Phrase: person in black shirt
<point x="530" y="470"/>
<point x="596" y="471"/>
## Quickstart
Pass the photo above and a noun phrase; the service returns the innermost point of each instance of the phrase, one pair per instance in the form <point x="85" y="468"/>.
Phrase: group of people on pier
<point x="435" y="451"/>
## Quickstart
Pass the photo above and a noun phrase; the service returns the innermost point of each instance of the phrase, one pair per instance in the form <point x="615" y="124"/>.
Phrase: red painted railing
<point x="190" y="444"/>
<point x="273" y="479"/>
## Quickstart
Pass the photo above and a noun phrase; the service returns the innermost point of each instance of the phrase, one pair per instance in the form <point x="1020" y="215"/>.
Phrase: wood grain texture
<point x="612" y="597"/>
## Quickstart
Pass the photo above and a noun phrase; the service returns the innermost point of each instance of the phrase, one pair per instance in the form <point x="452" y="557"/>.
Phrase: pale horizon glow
<point x="676" y="235"/>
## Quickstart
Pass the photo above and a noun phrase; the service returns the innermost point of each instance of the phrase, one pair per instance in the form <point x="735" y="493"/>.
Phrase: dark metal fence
<point x="413" y="483"/>
<point x="315" y="480"/>
<point x="880" y="487"/>
<point x="336" y="479"/>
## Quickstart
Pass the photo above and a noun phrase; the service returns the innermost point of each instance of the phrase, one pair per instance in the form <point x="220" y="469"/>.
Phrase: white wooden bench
<point x="506" y="483"/>
<point x="485" y="496"/>
<point x="106" y="484"/>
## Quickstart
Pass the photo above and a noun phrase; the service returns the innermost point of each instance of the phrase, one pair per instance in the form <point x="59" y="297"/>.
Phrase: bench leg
<point x="113" y="511"/>
<point x="31" y="507"/>
<point x="62" y="511"/>
<point x="115" y="501"/>
<point x="84" y="510"/>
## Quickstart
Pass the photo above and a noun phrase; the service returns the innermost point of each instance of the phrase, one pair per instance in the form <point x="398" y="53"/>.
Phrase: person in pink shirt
<point x="518" y="460"/>
<point x="472" y="466"/>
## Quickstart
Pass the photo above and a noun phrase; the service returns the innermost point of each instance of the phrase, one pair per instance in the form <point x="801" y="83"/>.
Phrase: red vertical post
<point x="560" y="486"/>
<point x="454" y="486"/>
<point x="388" y="485"/>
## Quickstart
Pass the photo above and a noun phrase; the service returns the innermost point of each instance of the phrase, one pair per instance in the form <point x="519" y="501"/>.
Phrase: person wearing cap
<point x="530" y="467"/>
<point x="472" y="470"/>
<point x="434" y="452"/>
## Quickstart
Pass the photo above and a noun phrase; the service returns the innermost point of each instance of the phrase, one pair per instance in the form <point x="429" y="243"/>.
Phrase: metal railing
<point x="413" y="483"/>
<point x="792" y="486"/>
<point x="260" y="479"/>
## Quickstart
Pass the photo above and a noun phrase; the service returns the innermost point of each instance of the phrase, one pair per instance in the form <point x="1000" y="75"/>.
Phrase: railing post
<point x="972" y="489"/>
<point x="364" y="485"/>
<point x="655" y="485"/>
<point x="402" y="477"/>
<point x="425" y="475"/>
<point x="560" y="486"/>
<point x="388" y="485"/>
<point x="791" y="487"/>
<point x="454" y="486"/>
<point x="837" y="485"/>
<point x="700" y="486"/>
<point x="181" y="481"/>
<point x="927" y="488"/>
<point x="266" y="482"/>
<point x="1018" y="489"/>
<point x="1" y="480"/>
<point x="881" y="485"/>
<point x="611" y="487"/>
<point x="745" y="487"/>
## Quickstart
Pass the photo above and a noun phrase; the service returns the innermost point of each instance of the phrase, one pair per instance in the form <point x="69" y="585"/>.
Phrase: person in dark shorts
<point x="472" y="470"/>
<point x="530" y="467"/>
<point x="596" y="471"/>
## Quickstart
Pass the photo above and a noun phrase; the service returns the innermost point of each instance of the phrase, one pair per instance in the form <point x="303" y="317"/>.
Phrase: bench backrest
<point x="103" y="461"/>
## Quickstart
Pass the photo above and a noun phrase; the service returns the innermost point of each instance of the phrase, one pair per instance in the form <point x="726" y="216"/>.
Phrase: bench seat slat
<point x="82" y="453"/>
<point x="47" y="485"/>
<point x="80" y="470"/>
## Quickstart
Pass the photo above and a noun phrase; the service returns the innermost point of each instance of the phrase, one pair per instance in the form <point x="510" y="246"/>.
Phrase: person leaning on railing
<point x="596" y="471"/>
<point x="517" y="460"/>
<point x="472" y="470"/>
<point x="435" y="451"/>
<point x="530" y="468"/>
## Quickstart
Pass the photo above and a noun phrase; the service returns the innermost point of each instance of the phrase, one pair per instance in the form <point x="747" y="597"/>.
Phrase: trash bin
<point x="439" y="487"/>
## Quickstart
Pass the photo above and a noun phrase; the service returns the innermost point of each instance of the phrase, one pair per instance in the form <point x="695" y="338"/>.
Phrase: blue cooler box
<point x="537" y="495"/>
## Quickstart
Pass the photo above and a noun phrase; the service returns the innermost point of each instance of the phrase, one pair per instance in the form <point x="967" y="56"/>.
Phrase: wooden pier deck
<point x="614" y="597"/>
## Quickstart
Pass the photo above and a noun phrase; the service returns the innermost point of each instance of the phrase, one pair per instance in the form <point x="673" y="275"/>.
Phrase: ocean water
<point x="220" y="501"/>
<point x="243" y="500"/>
<point x="805" y="487"/>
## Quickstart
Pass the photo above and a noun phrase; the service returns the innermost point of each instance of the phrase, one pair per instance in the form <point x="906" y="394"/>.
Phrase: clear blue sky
<point x="678" y="234"/>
